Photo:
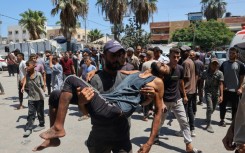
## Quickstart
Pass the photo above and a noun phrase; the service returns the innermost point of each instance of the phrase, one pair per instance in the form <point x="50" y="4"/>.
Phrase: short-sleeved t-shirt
<point x="232" y="72"/>
<point x="212" y="81"/>
<point x="199" y="67"/>
<point x="66" y="65"/>
<point x="189" y="73"/>
<point x="127" y="67"/>
<point x="39" y="68"/>
<point x="172" y="84"/>
<point x="104" y="129"/>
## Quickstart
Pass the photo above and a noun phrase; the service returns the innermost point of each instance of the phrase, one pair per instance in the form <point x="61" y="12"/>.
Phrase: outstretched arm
<point x="129" y="72"/>
<point x="159" y="105"/>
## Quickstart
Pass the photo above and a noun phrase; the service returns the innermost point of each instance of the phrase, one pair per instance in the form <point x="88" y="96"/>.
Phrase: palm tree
<point x="69" y="11"/>
<point x="114" y="10"/>
<point x="213" y="9"/>
<point x="94" y="35"/>
<point x="34" y="22"/>
<point x="143" y="10"/>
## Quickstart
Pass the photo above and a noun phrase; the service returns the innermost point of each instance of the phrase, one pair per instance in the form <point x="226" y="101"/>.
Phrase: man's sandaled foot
<point x="48" y="143"/>
<point x="194" y="150"/>
<point x="52" y="133"/>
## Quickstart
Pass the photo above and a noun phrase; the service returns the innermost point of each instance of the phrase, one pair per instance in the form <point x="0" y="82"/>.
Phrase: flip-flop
<point x="194" y="150"/>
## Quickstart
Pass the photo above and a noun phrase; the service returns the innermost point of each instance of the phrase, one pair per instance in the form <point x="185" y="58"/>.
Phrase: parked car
<point x="221" y="55"/>
<point x="3" y="63"/>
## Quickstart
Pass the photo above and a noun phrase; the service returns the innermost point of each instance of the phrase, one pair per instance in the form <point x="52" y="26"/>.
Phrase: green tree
<point x="34" y="22"/>
<point x="213" y="9"/>
<point x="114" y="10"/>
<point x="134" y="35"/>
<point x="143" y="10"/>
<point x="94" y="35"/>
<point x="208" y="35"/>
<point x="69" y="11"/>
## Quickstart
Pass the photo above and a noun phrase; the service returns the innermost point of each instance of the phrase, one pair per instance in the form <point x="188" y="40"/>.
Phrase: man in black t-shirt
<point x="115" y="135"/>
<point x="173" y="83"/>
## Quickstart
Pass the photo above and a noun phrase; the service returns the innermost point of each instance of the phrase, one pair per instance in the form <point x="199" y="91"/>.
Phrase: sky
<point x="173" y="10"/>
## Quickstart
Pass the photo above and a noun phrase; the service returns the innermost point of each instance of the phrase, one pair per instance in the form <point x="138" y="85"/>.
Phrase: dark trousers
<point x="189" y="110"/>
<point x="199" y="88"/>
<point x="115" y="147"/>
<point x="231" y="97"/>
<point x="20" y="93"/>
<point x="33" y="108"/>
<point x="11" y="69"/>
<point x="48" y="83"/>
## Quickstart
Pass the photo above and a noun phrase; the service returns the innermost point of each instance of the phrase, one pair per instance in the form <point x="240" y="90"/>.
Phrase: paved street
<point x="13" y="122"/>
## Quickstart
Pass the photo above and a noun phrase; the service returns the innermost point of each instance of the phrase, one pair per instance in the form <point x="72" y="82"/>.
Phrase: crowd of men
<point x="89" y="77"/>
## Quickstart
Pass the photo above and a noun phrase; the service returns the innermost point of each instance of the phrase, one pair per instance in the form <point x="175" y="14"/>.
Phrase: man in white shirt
<point x="21" y="76"/>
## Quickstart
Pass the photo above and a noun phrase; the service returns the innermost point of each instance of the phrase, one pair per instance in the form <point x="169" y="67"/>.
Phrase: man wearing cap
<point x="213" y="89"/>
<point x="233" y="71"/>
<point x="190" y="85"/>
<point x="115" y="135"/>
<point x="132" y="59"/>
<point x="199" y="70"/>
<point x="159" y="57"/>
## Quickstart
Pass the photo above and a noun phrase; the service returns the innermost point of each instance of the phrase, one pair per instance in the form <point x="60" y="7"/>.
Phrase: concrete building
<point x="161" y="31"/>
<point x="17" y="34"/>
<point x="55" y="31"/>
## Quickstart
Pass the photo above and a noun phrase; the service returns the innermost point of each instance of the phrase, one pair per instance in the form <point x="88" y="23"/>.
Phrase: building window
<point x="24" y="40"/>
<point x="78" y="37"/>
<point x="51" y="37"/>
<point x="24" y="31"/>
<point x="17" y="41"/>
<point x="16" y="32"/>
<point x="10" y="32"/>
<point x="83" y="37"/>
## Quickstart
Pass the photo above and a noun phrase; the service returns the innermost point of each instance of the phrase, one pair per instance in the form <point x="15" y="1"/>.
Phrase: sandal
<point x="194" y="150"/>
<point x="84" y="117"/>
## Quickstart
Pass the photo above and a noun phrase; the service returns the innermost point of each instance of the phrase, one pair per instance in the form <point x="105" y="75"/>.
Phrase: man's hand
<point x="85" y="95"/>
<point x="241" y="148"/>
<point x="220" y="99"/>
<point x="90" y="75"/>
<point x="185" y="99"/>
<point x="239" y="91"/>
<point x="22" y="90"/>
<point x="148" y="91"/>
<point x="144" y="148"/>
<point x="228" y="140"/>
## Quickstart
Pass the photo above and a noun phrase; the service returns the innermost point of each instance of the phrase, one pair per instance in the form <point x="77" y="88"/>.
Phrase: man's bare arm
<point x="157" y="118"/>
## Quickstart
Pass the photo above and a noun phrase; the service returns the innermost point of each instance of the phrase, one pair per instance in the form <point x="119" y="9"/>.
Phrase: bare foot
<point x="52" y="133"/>
<point x="47" y="143"/>
<point x="20" y="107"/>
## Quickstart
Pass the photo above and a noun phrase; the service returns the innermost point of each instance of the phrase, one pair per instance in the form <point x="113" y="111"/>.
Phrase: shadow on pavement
<point x="21" y="117"/>
<point x="141" y="140"/>
<point x="20" y="126"/>
<point x="14" y="98"/>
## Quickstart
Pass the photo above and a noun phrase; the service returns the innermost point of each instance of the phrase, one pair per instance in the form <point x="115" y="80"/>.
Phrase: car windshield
<point x="220" y="55"/>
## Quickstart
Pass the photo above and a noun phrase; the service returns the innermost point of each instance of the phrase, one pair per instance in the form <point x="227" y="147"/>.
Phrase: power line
<point x="9" y="17"/>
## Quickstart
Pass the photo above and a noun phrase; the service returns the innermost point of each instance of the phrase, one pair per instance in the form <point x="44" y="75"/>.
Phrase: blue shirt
<point x="47" y="67"/>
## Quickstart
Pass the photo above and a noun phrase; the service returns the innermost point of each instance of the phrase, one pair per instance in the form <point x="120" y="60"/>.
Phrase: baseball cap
<point x="130" y="49"/>
<point x="142" y="54"/>
<point x="113" y="46"/>
<point x="214" y="60"/>
<point x="86" y="50"/>
<point x="185" y="48"/>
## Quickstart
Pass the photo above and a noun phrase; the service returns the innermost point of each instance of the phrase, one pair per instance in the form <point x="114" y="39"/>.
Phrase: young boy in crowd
<point x="213" y="89"/>
<point x="35" y="85"/>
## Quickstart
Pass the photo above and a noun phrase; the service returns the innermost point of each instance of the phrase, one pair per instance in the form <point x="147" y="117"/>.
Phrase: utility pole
<point x="85" y="31"/>
<point x="0" y="31"/>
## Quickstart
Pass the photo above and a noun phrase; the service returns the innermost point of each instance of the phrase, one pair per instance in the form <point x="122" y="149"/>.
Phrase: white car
<point x="221" y="55"/>
<point x="3" y="63"/>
